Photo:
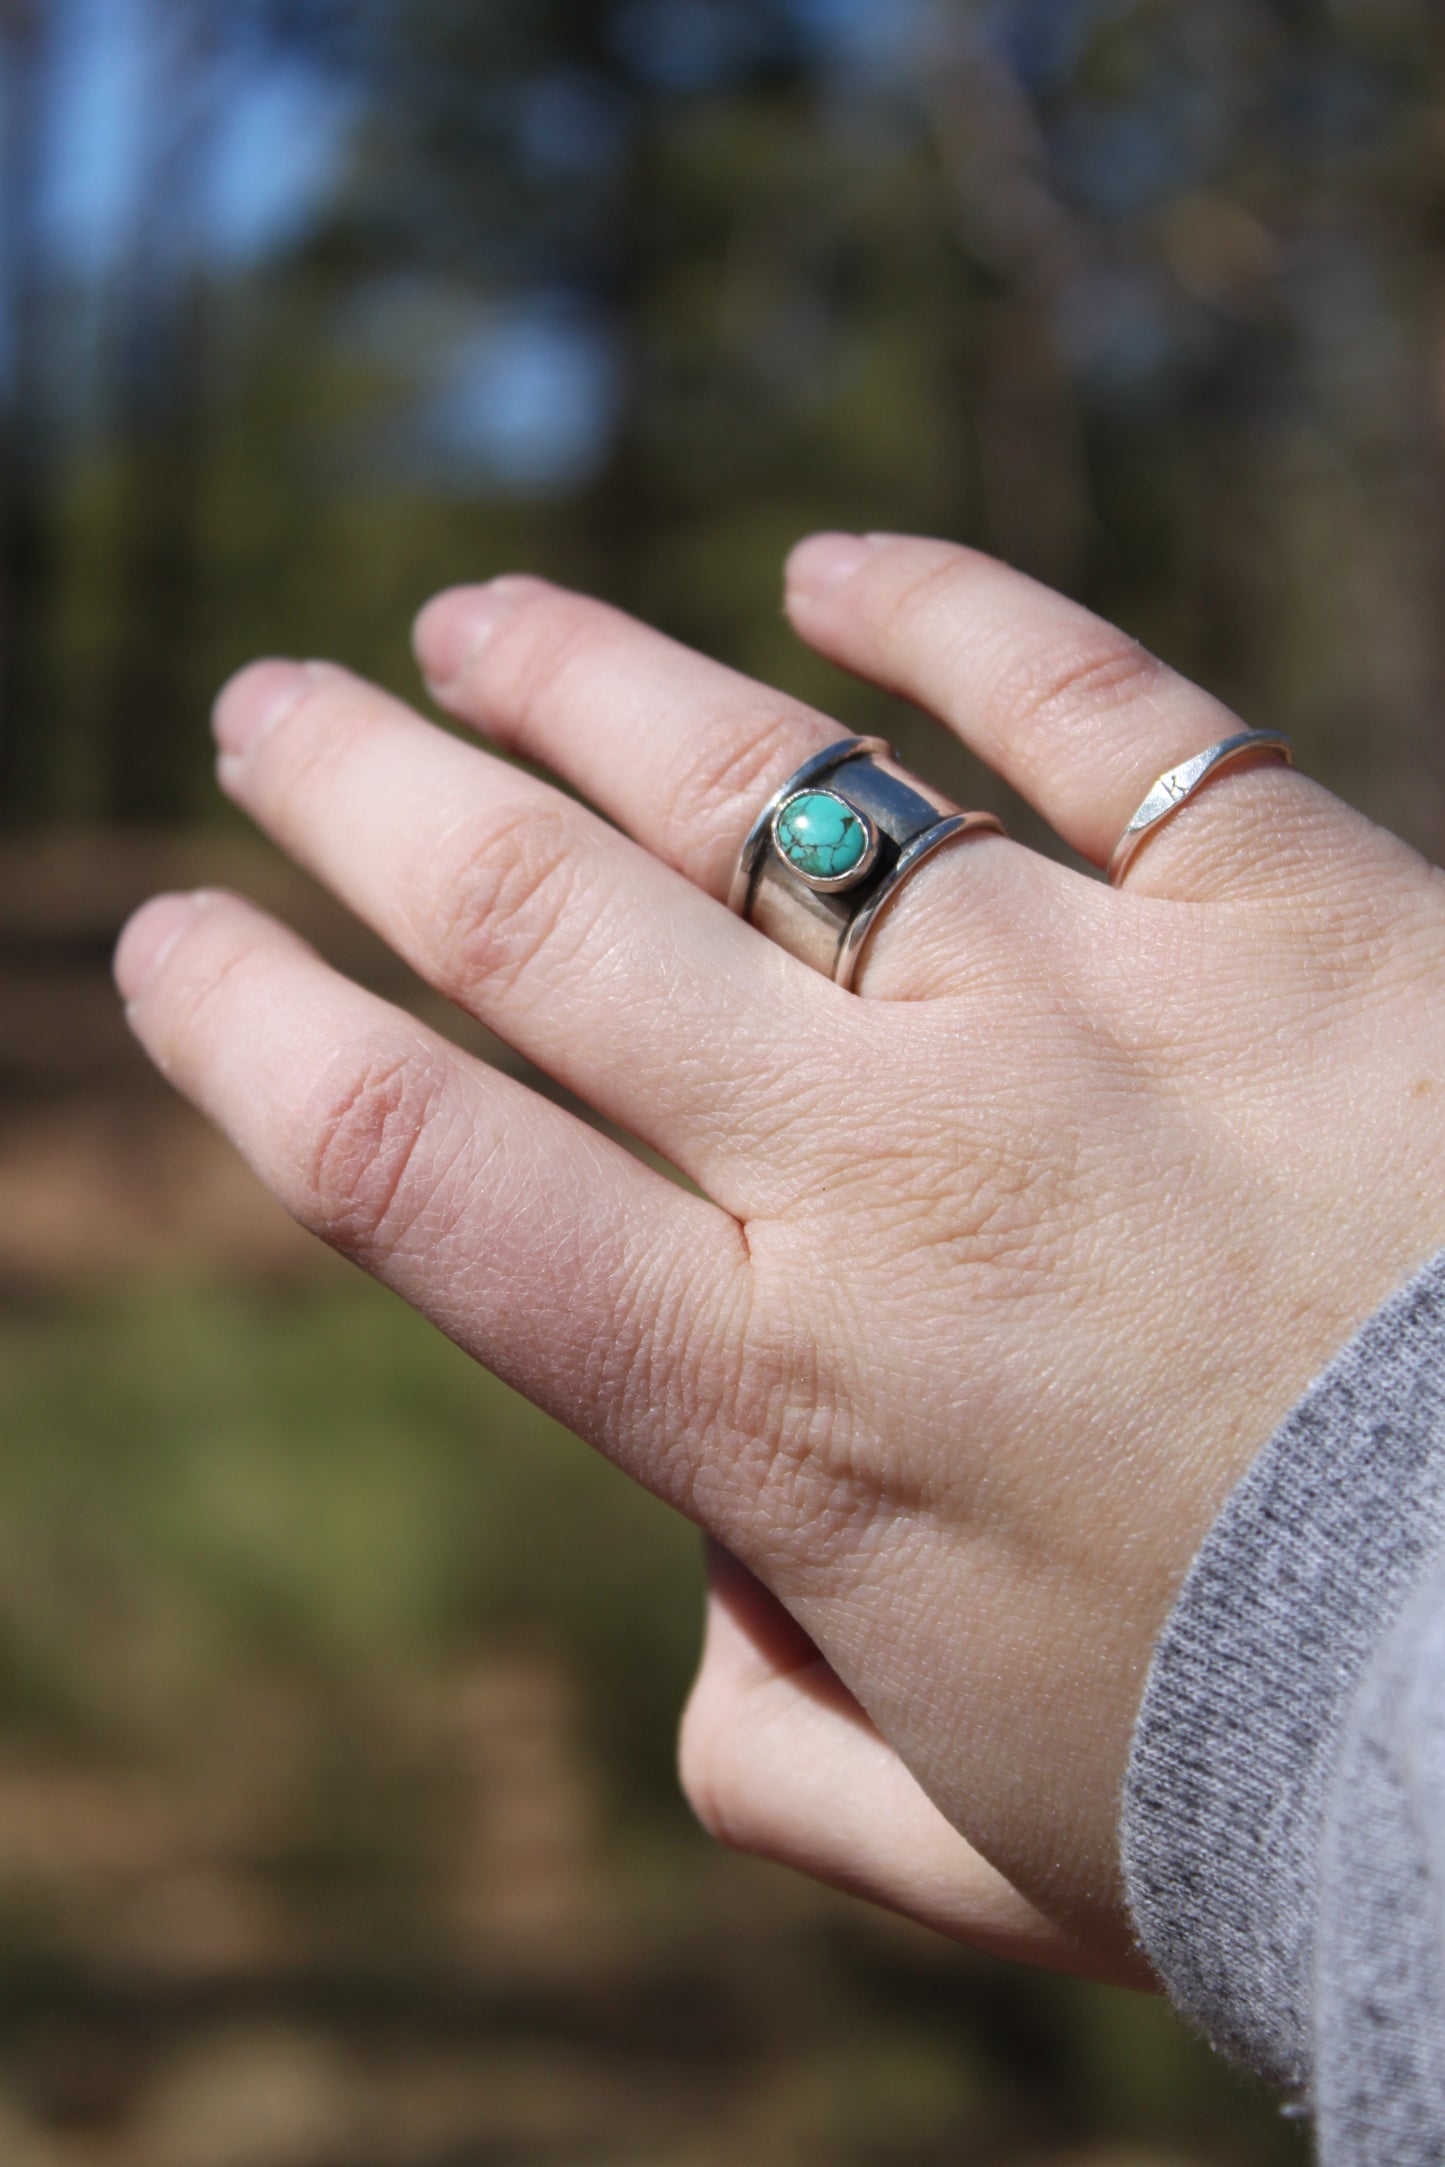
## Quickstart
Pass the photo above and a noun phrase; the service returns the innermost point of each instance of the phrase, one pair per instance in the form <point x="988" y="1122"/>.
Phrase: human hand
<point x="779" y="1759"/>
<point x="1001" y="1274"/>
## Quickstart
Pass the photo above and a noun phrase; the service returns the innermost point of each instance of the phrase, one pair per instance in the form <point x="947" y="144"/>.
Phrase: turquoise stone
<point x="821" y="836"/>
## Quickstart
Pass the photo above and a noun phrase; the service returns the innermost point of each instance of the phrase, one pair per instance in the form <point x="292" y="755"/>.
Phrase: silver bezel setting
<point x="826" y="924"/>
<point x="837" y="883"/>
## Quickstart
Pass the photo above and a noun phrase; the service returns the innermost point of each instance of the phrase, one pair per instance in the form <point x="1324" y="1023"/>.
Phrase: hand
<point x="1001" y="1274"/>
<point x="779" y="1759"/>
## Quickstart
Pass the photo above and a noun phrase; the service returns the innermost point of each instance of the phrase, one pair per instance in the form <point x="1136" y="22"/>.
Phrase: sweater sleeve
<point x="1284" y="1812"/>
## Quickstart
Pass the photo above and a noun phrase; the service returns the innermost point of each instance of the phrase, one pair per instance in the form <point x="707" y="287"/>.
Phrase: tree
<point x="27" y="447"/>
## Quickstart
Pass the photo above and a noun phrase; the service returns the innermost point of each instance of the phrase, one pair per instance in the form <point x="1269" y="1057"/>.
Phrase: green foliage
<point x="1140" y="297"/>
<point x="204" y="1490"/>
<point x="197" y="1481"/>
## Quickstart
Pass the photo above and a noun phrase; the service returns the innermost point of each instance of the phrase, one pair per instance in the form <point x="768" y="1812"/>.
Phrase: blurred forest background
<point x="337" y="1826"/>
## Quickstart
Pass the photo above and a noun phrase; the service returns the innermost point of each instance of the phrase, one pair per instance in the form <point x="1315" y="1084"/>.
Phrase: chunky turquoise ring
<point x="824" y="840"/>
<point x="832" y="849"/>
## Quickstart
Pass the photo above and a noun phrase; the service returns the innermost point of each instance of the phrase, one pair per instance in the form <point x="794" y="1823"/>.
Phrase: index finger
<point x="567" y="1267"/>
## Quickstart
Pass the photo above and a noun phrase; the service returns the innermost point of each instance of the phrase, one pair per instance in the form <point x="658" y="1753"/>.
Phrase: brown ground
<point x="102" y="1169"/>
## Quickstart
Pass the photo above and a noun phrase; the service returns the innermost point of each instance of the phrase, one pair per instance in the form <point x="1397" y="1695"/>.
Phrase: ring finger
<point x="1080" y="718"/>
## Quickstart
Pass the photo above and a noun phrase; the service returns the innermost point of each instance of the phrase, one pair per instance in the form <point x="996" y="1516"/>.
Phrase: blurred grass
<point x="197" y="1478"/>
<point x="319" y="1652"/>
<point x="338" y="1691"/>
<point x="206" y="1486"/>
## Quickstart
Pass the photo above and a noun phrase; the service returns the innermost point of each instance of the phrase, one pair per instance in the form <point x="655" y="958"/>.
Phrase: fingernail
<point x="148" y="939"/>
<point x="254" y="701"/>
<point x="824" y="561"/>
<point x="454" y="627"/>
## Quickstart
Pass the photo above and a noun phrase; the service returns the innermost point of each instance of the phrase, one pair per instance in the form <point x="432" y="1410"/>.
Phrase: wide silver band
<point x="826" y="924"/>
<point x="1178" y="784"/>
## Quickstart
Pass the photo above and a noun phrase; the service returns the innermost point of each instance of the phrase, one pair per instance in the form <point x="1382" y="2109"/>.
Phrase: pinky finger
<point x="779" y="1760"/>
<point x="542" y="1248"/>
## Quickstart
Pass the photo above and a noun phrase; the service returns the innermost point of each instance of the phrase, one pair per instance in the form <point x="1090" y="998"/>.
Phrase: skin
<point x="1002" y="1270"/>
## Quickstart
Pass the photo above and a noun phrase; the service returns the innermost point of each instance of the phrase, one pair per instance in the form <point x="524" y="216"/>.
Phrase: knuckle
<point x="197" y="979"/>
<point x="203" y="972"/>
<point x="544" y="636"/>
<point x="499" y="899"/>
<point x="805" y="1472"/>
<point x="1096" y="674"/>
<point x="728" y="766"/>
<point x="1038" y="690"/>
<point x="934" y="584"/>
<point x="315" y="736"/>
<point x="365" y="1139"/>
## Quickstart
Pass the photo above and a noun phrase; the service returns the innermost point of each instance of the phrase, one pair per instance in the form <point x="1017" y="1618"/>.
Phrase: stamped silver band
<point x="1178" y="784"/>
<point x="886" y="823"/>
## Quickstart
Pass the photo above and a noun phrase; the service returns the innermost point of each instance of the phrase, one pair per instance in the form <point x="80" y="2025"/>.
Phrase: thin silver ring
<point x="861" y="924"/>
<point x="1177" y="785"/>
<point x="826" y="922"/>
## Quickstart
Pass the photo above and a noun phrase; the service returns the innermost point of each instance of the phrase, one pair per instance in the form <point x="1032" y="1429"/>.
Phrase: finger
<point x="1078" y="717"/>
<point x="679" y="750"/>
<point x="603" y="966"/>
<point x="778" y="1759"/>
<point x="565" y="1265"/>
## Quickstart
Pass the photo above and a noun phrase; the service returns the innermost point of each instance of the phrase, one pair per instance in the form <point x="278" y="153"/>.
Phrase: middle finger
<point x="677" y="748"/>
<point x="602" y="965"/>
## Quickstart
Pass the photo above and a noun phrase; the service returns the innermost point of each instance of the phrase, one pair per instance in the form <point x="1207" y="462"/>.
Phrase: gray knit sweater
<point x="1284" y="1812"/>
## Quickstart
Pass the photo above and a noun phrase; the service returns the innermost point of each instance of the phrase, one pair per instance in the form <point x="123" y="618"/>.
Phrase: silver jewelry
<point x="834" y="845"/>
<point x="1178" y="784"/>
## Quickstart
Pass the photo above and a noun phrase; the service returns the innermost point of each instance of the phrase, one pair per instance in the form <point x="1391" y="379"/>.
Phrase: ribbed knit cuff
<point x="1305" y="1570"/>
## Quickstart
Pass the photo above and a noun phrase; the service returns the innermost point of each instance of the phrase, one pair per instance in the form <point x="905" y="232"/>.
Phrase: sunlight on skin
<point x="999" y="1276"/>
